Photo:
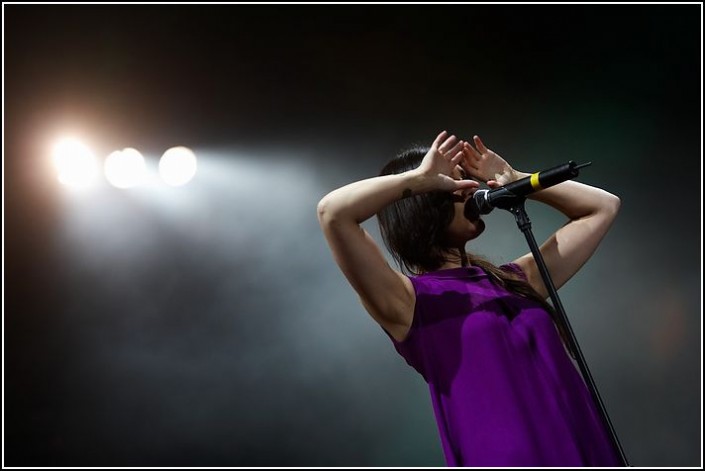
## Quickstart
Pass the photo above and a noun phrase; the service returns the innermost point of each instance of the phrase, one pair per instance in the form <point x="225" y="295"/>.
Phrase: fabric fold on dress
<point x="503" y="388"/>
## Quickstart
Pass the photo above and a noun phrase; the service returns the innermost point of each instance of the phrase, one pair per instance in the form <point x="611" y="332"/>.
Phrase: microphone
<point x="484" y="201"/>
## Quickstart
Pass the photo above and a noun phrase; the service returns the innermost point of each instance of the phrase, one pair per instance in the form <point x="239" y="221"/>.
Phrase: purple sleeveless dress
<point x="503" y="388"/>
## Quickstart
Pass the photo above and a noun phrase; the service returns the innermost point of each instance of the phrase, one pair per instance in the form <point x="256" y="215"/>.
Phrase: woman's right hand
<point x="440" y="162"/>
<point x="488" y="166"/>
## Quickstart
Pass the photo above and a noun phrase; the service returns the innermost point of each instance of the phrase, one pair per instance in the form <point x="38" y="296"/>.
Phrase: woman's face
<point x="462" y="229"/>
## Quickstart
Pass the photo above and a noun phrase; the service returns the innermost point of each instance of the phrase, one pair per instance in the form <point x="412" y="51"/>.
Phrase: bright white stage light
<point x="177" y="166"/>
<point x="75" y="163"/>
<point x="125" y="168"/>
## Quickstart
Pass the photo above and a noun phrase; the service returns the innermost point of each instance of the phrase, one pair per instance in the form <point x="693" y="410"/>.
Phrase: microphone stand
<point x="516" y="207"/>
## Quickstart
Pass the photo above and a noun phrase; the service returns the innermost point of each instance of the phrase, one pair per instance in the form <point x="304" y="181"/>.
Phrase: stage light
<point x="177" y="166"/>
<point x="75" y="164"/>
<point x="125" y="168"/>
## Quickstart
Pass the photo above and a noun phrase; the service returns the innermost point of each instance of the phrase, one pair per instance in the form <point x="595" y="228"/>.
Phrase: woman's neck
<point x="456" y="259"/>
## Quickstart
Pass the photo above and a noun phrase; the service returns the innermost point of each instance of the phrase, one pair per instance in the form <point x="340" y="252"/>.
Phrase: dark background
<point x="209" y="326"/>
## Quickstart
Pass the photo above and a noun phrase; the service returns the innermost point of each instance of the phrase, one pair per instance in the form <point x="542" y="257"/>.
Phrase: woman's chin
<point x="478" y="228"/>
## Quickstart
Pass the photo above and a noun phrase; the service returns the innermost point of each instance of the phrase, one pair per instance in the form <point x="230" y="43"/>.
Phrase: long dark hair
<point x="414" y="231"/>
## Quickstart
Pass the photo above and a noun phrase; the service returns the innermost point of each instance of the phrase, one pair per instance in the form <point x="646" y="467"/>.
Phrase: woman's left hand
<point x="487" y="165"/>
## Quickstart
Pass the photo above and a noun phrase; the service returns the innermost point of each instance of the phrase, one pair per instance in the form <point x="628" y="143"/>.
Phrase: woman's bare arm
<point x="590" y="211"/>
<point x="386" y="294"/>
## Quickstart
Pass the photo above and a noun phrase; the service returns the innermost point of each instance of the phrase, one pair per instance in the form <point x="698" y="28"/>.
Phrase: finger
<point x="458" y="157"/>
<point x="466" y="184"/>
<point x="493" y="184"/>
<point x="457" y="148"/>
<point x="468" y="168"/>
<point x="448" y="144"/>
<point x="439" y="139"/>
<point x="480" y="145"/>
<point x="469" y="164"/>
<point x="472" y="152"/>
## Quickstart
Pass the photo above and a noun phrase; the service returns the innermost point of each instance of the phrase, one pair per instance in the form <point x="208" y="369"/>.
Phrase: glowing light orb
<point x="177" y="166"/>
<point x="75" y="163"/>
<point x="125" y="168"/>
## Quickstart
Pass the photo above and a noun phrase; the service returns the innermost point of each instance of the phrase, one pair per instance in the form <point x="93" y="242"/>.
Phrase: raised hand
<point x="487" y="165"/>
<point x="440" y="162"/>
